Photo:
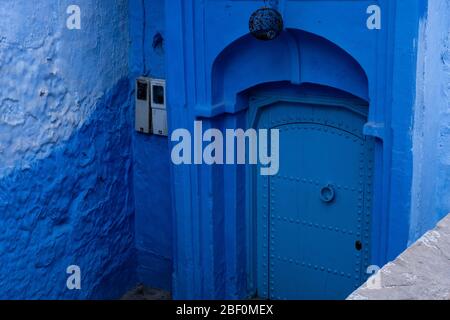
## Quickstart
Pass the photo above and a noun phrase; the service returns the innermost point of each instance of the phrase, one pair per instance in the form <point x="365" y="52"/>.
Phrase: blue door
<point x="314" y="217"/>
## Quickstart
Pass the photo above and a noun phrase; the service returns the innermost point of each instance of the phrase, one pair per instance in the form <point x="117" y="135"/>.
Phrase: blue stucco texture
<point x="65" y="151"/>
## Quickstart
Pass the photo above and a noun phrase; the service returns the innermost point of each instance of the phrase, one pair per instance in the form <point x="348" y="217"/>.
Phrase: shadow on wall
<point x="74" y="207"/>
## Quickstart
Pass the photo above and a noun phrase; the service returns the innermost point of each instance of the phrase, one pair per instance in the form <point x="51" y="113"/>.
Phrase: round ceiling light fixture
<point x="266" y="24"/>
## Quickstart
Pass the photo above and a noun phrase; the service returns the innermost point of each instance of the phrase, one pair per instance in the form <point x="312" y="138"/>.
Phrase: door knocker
<point x="327" y="193"/>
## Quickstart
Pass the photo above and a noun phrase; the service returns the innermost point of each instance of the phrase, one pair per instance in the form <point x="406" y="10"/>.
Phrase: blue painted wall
<point x="151" y="153"/>
<point x="66" y="194"/>
<point x="431" y="185"/>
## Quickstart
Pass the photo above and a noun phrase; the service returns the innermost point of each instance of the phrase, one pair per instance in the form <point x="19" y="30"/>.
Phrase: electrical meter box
<point x="143" y="121"/>
<point x="158" y="106"/>
<point x="151" y="112"/>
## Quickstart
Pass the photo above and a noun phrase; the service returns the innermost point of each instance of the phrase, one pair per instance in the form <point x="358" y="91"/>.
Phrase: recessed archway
<point x="296" y="56"/>
<point x="298" y="71"/>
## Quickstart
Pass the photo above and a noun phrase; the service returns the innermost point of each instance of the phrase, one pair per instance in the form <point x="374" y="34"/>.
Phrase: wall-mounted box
<point x="158" y="105"/>
<point x="151" y="111"/>
<point x="143" y="121"/>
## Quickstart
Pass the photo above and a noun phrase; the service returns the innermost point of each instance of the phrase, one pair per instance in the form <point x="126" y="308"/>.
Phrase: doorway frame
<point x="391" y="66"/>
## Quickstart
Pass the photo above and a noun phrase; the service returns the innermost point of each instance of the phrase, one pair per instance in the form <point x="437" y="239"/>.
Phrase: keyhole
<point x="358" y="245"/>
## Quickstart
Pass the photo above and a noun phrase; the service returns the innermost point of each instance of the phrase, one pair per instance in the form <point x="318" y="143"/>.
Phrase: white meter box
<point x="151" y="111"/>
<point x="143" y="122"/>
<point x="159" y="110"/>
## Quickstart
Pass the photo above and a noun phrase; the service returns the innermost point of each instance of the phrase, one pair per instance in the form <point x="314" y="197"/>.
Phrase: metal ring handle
<point x="327" y="193"/>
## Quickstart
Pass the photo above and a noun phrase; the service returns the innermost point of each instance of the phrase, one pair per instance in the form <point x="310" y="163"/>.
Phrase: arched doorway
<point x="317" y="94"/>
